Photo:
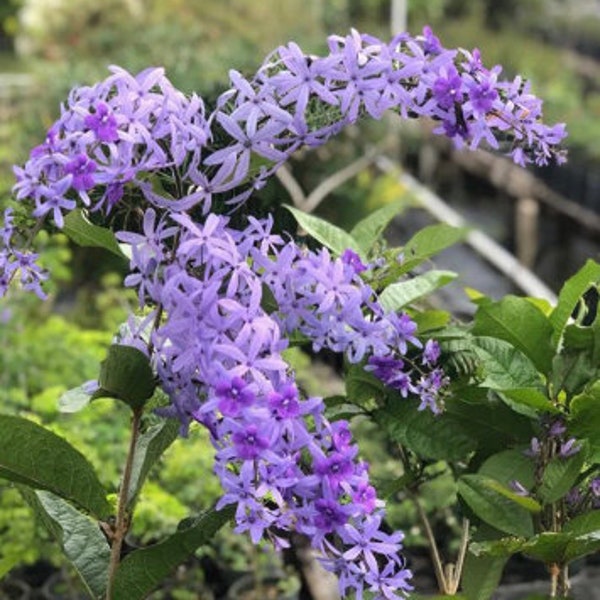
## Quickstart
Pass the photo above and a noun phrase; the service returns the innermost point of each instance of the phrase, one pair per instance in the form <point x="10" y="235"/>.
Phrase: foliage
<point x="134" y="167"/>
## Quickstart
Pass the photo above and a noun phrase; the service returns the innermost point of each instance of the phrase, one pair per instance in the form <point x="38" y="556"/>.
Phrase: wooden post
<point x="526" y="231"/>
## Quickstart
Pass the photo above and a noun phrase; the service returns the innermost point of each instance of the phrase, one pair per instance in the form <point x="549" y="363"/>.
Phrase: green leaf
<point x="84" y="233"/>
<point x="126" y="374"/>
<point x="38" y="458"/>
<point x="573" y="370"/>
<point x="329" y="235"/>
<point x="74" y="400"/>
<point x="431" y="320"/>
<point x="388" y="488"/>
<point x="502" y="548"/>
<point x="79" y="536"/>
<point x="520" y="323"/>
<point x="528" y="401"/>
<point x="560" y="475"/>
<point x="489" y="421"/>
<point x="504" y="366"/>
<point x="570" y="295"/>
<point x="439" y="437"/>
<point x="584" y="420"/>
<point x="430" y="241"/>
<point x="526" y="502"/>
<point x="142" y="570"/>
<point x="548" y="546"/>
<point x="583" y="524"/>
<point x="494" y="507"/>
<point x="362" y="387"/>
<point x="367" y="231"/>
<point x="398" y="295"/>
<point x="148" y="449"/>
<point x="509" y="465"/>
<point x="562" y="547"/>
<point x="583" y="545"/>
<point x="481" y="576"/>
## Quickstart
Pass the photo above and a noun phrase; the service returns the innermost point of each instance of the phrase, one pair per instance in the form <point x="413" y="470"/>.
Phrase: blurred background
<point x="549" y="218"/>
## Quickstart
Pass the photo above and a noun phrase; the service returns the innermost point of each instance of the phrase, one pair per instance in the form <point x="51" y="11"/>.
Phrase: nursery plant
<point x="226" y="289"/>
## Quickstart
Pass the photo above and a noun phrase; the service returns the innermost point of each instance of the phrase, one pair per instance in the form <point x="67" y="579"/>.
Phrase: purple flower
<point x="365" y="544"/>
<point x="431" y="352"/>
<point x="336" y="468"/>
<point x="447" y="88"/>
<point x="351" y="258"/>
<point x="569" y="448"/>
<point x="103" y="123"/>
<point x="482" y="95"/>
<point x="82" y="169"/>
<point x="285" y="403"/>
<point x="248" y="442"/>
<point x="517" y="487"/>
<point x="329" y="515"/>
<point x="234" y="395"/>
<point x="393" y="578"/>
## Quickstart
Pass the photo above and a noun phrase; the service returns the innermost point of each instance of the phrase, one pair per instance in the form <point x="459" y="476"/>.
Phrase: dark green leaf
<point x="520" y="323"/>
<point x="495" y="506"/>
<point x="142" y="570"/>
<point x="439" y="437"/>
<point x="430" y="241"/>
<point x="84" y="233"/>
<point x="367" y="231"/>
<point x="502" y="548"/>
<point x="362" y="387"/>
<point x="126" y="374"/>
<point x="583" y="524"/>
<point x="562" y="547"/>
<point x="570" y="295"/>
<point x="38" y="458"/>
<point x="149" y="448"/>
<point x="79" y="536"/>
<point x="508" y="466"/>
<point x="584" y="421"/>
<point x="548" y="546"/>
<point x="504" y="366"/>
<point x="573" y="370"/>
<point x="481" y="576"/>
<point x="388" y="488"/>
<point x="329" y="235"/>
<point x="528" y="401"/>
<point x="398" y="295"/>
<point x="583" y="545"/>
<point x="489" y="421"/>
<point x="560" y="475"/>
<point x="74" y="400"/>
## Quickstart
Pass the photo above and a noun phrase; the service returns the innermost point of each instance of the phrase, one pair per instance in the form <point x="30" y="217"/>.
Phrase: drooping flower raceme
<point x="146" y="161"/>
<point x="219" y="356"/>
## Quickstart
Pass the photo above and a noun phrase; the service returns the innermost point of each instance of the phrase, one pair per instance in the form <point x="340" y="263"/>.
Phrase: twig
<point x="310" y="202"/>
<point x="122" y="520"/>
<point x="435" y="555"/>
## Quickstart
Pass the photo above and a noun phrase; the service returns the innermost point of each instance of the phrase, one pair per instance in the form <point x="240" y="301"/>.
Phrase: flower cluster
<point x="111" y="135"/>
<point x="14" y="261"/>
<point x="219" y="357"/>
<point x="552" y="443"/>
<point x="126" y="127"/>
<point x="143" y="158"/>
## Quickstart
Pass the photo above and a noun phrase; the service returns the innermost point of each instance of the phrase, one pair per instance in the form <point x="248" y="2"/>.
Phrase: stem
<point x="460" y="561"/>
<point x="435" y="555"/>
<point x="559" y="580"/>
<point x="122" y="522"/>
